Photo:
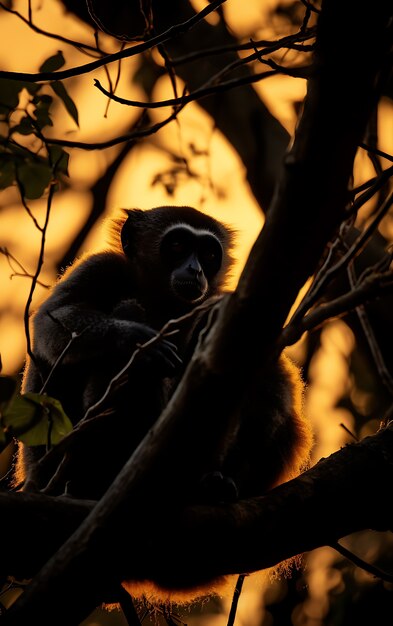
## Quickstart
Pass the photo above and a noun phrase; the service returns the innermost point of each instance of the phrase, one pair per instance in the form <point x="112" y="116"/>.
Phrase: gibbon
<point x="162" y="264"/>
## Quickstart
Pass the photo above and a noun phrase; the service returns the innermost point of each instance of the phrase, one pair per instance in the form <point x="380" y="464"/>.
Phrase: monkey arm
<point x="93" y="306"/>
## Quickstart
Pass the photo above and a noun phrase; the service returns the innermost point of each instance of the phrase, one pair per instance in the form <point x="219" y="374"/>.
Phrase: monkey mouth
<point x="189" y="290"/>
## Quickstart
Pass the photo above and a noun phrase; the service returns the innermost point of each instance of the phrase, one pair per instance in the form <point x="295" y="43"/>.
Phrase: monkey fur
<point x="162" y="263"/>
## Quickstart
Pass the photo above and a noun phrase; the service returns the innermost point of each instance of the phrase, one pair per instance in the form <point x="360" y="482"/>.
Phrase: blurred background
<point x="196" y="161"/>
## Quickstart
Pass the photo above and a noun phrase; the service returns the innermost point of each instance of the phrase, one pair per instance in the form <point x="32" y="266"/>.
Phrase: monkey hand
<point x="156" y="351"/>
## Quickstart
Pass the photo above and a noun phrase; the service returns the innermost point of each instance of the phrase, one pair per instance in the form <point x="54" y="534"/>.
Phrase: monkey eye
<point x="210" y="254"/>
<point x="177" y="247"/>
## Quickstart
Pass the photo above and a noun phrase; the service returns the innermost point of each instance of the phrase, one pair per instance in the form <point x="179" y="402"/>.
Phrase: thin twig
<point x="24" y="203"/>
<point x="372" y="287"/>
<point x="128" y="608"/>
<point x="61" y="356"/>
<point x="172" y="31"/>
<point x="76" y="44"/>
<point x="317" y="286"/>
<point x="372" y="141"/>
<point x="145" y="132"/>
<point x="102" y="27"/>
<point x="128" y="137"/>
<point x="169" y="68"/>
<point x="24" y="273"/>
<point x="376" y="180"/>
<point x="356" y="560"/>
<point x="376" y="150"/>
<point x="208" y="89"/>
<point x="383" y="370"/>
<point x="86" y="422"/>
<point x="40" y="262"/>
<point x="289" y="41"/>
<point x="235" y="599"/>
<point x="256" y="55"/>
<point x="181" y="101"/>
<point x="371" y="187"/>
<point x="349" y="432"/>
<point x="307" y="17"/>
<point x="165" y="331"/>
<point x="375" y="187"/>
<point x="310" y="6"/>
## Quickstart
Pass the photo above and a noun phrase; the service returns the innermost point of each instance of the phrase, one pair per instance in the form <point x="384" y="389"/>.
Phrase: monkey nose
<point x="194" y="270"/>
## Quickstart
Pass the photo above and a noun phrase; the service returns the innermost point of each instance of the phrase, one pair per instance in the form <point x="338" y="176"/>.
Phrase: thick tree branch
<point x="340" y="495"/>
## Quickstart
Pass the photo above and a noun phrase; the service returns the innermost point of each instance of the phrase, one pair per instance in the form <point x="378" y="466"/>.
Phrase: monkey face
<point x="178" y="256"/>
<point x="193" y="258"/>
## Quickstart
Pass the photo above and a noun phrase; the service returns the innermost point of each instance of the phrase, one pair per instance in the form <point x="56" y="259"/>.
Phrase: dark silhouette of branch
<point x="23" y="273"/>
<point x="367" y="567"/>
<point x="370" y="187"/>
<point x="212" y="87"/>
<point x="240" y="114"/>
<point x="172" y="31"/>
<point x="244" y="536"/>
<point x="373" y="286"/>
<point x="385" y="376"/>
<point x="327" y="274"/>
<point x="377" y="151"/>
<point x="40" y="263"/>
<point x="95" y="413"/>
<point x="235" y="600"/>
<point x="71" y="42"/>
<point x="291" y="42"/>
<point x="130" y="137"/>
<point x="310" y="6"/>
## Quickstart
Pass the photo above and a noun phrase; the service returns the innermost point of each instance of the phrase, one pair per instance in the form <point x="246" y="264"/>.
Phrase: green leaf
<point x="55" y="419"/>
<point x="34" y="178"/>
<point x="69" y="104"/>
<point x="20" y="415"/>
<point x="34" y="418"/>
<point x="53" y="63"/>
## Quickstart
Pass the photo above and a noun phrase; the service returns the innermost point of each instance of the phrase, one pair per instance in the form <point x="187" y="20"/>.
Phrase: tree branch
<point x="71" y="42"/>
<point x="172" y="31"/>
<point x="245" y="536"/>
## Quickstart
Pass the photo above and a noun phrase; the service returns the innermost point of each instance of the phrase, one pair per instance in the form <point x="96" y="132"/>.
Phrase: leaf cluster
<point x="26" y="160"/>
<point x="33" y="418"/>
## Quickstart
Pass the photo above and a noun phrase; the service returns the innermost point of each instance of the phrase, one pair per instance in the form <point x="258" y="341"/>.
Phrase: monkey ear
<point x="129" y="230"/>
